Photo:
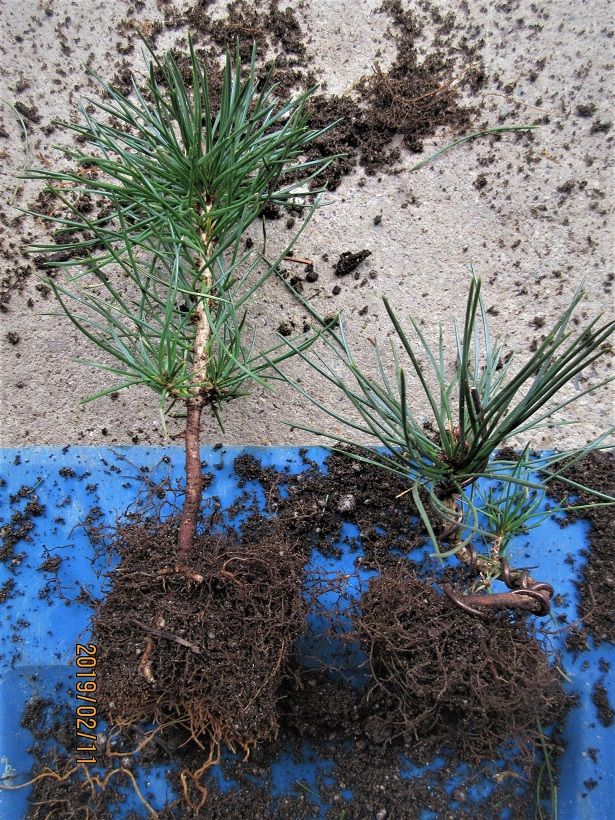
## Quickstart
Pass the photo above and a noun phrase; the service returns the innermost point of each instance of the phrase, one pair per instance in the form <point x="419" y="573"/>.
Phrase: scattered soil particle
<point x="597" y="584"/>
<point x="586" y="109"/>
<point x="316" y="507"/>
<point x="15" y="272"/>
<point x="576" y="640"/>
<point x="28" y="112"/>
<point x="7" y="590"/>
<point x="271" y="211"/>
<point x="249" y="468"/>
<point x="285" y="329"/>
<point x="20" y="524"/>
<point x="604" y="710"/>
<point x="51" y="564"/>
<point x="599" y="127"/>
<point x="349" y="262"/>
<point x="32" y="714"/>
<point x="22" y="84"/>
<point x="34" y="508"/>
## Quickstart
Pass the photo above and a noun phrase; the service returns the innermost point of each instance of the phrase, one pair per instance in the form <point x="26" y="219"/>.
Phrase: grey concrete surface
<point x="542" y="222"/>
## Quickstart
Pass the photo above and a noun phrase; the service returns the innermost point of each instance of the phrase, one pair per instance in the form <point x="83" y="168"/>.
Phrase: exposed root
<point x="526" y="593"/>
<point x="212" y="654"/>
<point x="471" y="682"/>
<point x="189" y="574"/>
<point x="159" y="633"/>
<point x="94" y="782"/>
<point x="532" y="600"/>
<point x="145" y="662"/>
<point x="187" y="778"/>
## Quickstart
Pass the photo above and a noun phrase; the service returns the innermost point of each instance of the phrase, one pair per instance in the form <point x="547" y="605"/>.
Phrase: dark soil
<point x="415" y="97"/>
<point x="26" y="506"/>
<point x="600" y="697"/>
<point x="327" y="714"/>
<point x="220" y="652"/>
<point x="597" y="584"/>
<point x="208" y="651"/>
<point x="317" y="506"/>
<point x="349" y="262"/>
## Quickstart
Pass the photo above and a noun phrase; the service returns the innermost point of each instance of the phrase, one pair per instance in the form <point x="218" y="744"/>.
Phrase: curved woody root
<point x="525" y="592"/>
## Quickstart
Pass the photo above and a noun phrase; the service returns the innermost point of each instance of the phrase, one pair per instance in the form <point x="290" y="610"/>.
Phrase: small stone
<point x="347" y="504"/>
<point x="381" y="814"/>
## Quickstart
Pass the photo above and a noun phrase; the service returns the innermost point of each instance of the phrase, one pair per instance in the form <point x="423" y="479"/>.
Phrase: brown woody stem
<point x="194" y="479"/>
<point x="194" y="407"/>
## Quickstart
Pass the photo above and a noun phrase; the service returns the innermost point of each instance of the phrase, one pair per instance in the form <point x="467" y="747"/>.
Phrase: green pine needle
<point x="478" y="402"/>
<point x="179" y="184"/>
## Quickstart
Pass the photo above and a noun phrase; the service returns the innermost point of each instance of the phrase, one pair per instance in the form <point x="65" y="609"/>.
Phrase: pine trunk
<point x="194" y="478"/>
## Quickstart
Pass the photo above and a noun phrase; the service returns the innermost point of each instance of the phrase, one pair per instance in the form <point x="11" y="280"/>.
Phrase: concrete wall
<point x="541" y="222"/>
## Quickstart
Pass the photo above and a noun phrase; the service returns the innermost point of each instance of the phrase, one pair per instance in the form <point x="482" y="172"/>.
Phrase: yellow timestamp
<point x="86" y="715"/>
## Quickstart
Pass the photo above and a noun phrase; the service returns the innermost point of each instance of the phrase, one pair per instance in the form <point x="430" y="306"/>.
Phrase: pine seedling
<point x="161" y="281"/>
<point x="478" y="401"/>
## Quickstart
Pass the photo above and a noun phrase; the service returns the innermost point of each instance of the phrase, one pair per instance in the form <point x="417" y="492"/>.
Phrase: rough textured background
<point x="533" y="217"/>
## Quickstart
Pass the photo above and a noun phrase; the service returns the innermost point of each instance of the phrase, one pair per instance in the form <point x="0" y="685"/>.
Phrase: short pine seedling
<point x="479" y="401"/>
<point x="161" y="281"/>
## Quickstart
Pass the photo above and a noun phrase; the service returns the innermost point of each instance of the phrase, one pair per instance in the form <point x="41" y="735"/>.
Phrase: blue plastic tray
<point x="108" y="480"/>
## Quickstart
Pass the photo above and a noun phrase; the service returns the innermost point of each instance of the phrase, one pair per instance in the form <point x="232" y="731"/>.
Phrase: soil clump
<point x="205" y="648"/>
<point x="597" y="583"/>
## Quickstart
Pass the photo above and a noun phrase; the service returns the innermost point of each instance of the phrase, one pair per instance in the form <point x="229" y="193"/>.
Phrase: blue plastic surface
<point x="38" y="635"/>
